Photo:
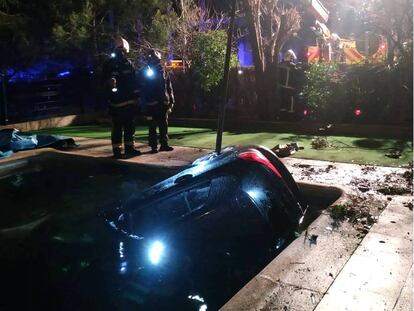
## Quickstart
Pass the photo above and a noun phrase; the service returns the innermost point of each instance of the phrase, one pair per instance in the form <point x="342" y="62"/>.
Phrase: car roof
<point x="200" y="166"/>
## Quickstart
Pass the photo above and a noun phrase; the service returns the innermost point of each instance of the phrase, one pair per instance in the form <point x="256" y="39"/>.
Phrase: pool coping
<point x="300" y="275"/>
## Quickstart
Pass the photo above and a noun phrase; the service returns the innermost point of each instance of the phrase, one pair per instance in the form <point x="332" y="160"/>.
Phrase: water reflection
<point x="121" y="249"/>
<point x="156" y="252"/>
<point x="198" y="298"/>
<point x="123" y="267"/>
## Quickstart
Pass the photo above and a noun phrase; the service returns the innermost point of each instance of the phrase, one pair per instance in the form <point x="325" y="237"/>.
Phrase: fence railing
<point x="29" y="101"/>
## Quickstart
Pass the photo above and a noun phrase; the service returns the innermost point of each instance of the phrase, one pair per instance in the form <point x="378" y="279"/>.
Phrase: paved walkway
<point x="101" y="148"/>
<point x="378" y="276"/>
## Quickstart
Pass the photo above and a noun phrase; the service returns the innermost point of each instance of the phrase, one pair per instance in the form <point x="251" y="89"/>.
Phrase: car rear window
<point x="171" y="207"/>
<point x="262" y="188"/>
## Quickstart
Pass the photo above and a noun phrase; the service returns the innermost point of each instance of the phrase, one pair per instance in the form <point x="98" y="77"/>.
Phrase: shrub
<point x="382" y="93"/>
<point x="207" y="58"/>
<point x="322" y="80"/>
<point x="320" y="143"/>
<point x="338" y="212"/>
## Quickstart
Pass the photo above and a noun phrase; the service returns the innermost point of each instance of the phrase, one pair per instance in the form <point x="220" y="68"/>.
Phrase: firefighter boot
<point x="166" y="148"/>
<point x="130" y="151"/>
<point x="117" y="153"/>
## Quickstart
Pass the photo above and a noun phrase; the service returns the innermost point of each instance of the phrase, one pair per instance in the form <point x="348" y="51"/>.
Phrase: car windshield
<point x="169" y="208"/>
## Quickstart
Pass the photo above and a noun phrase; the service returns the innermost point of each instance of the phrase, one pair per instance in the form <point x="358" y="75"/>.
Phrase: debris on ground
<point x="369" y="189"/>
<point x="394" y="154"/>
<point x="320" y="143"/>
<point x="359" y="212"/>
<point x="312" y="298"/>
<point x="338" y="212"/>
<point x="325" y="128"/>
<point x="285" y="150"/>
<point x="408" y="174"/>
<point x="363" y="188"/>
<point x="302" y="165"/>
<point x="312" y="239"/>
<point x="368" y="169"/>
<point x="409" y="205"/>
<point x="394" y="190"/>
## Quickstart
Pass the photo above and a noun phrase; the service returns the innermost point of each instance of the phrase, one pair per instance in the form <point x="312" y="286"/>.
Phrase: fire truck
<point x="369" y="47"/>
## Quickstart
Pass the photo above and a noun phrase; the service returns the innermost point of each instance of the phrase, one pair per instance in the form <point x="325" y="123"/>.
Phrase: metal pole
<point x="3" y="112"/>
<point x="222" y="108"/>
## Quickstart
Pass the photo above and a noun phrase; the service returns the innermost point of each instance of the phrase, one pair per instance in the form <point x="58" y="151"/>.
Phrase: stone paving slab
<point x="101" y="148"/>
<point x="405" y="301"/>
<point x="376" y="274"/>
<point x="291" y="298"/>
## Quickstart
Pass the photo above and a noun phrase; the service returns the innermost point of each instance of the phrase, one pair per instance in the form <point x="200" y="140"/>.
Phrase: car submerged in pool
<point x="192" y="240"/>
<point x="189" y="242"/>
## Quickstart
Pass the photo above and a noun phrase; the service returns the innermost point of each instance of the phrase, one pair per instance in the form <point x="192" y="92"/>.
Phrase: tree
<point x="270" y="25"/>
<point x="20" y="37"/>
<point x="392" y="19"/>
<point x="159" y="34"/>
<point x="88" y="27"/>
<point x="174" y="27"/>
<point x="207" y="58"/>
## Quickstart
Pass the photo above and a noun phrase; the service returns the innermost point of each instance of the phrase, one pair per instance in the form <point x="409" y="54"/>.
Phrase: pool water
<point x="50" y="229"/>
<point x="69" y="187"/>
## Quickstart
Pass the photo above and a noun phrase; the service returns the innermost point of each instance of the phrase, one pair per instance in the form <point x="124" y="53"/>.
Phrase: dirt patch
<point x="361" y="211"/>
<point x="369" y="188"/>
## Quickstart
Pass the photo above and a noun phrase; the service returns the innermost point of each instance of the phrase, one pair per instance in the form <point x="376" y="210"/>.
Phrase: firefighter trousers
<point x="122" y="126"/>
<point x="160" y="121"/>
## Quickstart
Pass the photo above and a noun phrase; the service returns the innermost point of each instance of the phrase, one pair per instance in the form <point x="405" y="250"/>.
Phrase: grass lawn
<point x="361" y="150"/>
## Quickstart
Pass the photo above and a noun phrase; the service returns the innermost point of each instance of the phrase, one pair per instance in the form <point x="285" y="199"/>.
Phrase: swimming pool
<point x="56" y="252"/>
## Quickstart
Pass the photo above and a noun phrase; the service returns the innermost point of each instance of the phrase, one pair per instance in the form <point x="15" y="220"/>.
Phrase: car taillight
<point x="256" y="156"/>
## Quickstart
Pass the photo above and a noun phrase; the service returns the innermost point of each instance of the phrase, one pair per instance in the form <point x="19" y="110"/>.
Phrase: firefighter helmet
<point x="290" y="56"/>
<point x="121" y="43"/>
<point x="154" y="56"/>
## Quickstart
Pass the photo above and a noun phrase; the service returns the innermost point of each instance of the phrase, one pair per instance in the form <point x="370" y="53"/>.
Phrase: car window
<point x="197" y="196"/>
<point x="258" y="187"/>
<point x="170" y="208"/>
<point x="268" y="193"/>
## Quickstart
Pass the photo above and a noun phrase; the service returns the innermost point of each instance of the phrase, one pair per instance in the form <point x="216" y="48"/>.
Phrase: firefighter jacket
<point x="120" y="82"/>
<point x="157" y="94"/>
<point x="291" y="76"/>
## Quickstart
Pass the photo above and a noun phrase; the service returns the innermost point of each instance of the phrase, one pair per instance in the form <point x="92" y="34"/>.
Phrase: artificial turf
<point x="360" y="150"/>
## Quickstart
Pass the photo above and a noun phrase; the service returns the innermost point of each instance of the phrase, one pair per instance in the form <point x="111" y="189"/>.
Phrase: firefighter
<point x="289" y="81"/>
<point x="121" y="90"/>
<point x="336" y="45"/>
<point x="287" y="72"/>
<point x="157" y="100"/>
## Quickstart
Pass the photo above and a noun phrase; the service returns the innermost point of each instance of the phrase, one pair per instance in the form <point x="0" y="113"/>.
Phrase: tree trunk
<point x="390" y="53"/>
<point x="260" y="79"/>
